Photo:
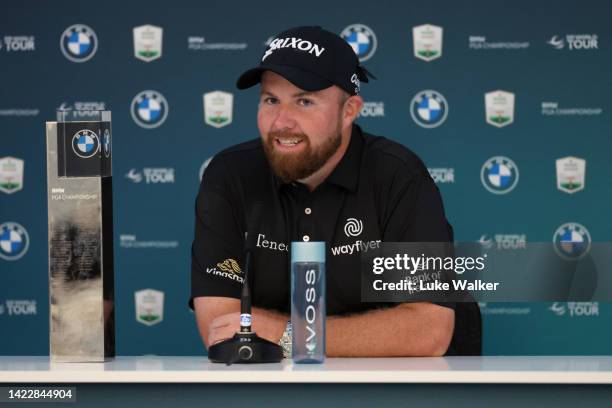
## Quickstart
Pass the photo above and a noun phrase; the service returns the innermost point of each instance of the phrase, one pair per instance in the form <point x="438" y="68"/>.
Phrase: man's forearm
<point x="412" y="329"/>
<point x="416" y="329"/>
<point x="269" y="324"/>
<point x="218" y="318"/>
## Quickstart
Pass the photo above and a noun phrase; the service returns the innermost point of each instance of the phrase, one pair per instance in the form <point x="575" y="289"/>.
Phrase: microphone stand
<point x="245" y="347"/>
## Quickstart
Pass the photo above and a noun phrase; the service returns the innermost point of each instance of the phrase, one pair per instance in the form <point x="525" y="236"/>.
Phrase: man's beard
<point x="290" y="166"/>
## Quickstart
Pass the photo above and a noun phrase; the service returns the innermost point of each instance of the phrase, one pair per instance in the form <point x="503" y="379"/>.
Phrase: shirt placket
<point x="305" y="218"/>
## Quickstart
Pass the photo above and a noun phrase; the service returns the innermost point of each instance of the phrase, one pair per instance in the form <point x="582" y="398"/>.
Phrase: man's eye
<point x="305" y="102"/>
<point x="270" y="101"/>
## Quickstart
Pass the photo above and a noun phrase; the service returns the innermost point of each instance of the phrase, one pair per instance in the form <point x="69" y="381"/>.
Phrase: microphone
<point x="246" y="347"/>
<point x="249" y="246"/>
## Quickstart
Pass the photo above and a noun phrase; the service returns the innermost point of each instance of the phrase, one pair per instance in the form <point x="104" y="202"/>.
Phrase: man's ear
<point x="352" y="107"/>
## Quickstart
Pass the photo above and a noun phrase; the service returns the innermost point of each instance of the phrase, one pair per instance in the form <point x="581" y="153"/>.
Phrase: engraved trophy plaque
<point x="80" y="214"/>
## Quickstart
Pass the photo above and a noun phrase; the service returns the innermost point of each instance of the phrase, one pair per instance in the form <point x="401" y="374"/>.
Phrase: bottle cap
<point x="308" y="251"/>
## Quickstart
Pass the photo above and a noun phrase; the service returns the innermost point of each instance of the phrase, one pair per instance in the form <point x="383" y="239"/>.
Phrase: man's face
<point x="300" y="130"/>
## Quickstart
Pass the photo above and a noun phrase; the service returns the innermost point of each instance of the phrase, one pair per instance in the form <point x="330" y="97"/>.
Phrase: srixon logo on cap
<point x="292" y="42"/>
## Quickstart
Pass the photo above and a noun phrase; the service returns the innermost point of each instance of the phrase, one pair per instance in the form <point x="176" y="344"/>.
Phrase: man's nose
<point x="284" y="118"/>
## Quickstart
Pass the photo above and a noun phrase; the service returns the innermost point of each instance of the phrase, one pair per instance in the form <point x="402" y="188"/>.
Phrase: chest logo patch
<point x="229" y="265"/>
<point x="353" y="227"/>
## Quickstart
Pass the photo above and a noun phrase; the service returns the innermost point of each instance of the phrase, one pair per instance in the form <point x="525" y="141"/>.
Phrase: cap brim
<point x="302" y="79"/>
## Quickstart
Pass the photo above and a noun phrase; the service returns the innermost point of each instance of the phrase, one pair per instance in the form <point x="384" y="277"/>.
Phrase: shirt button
<point x="307" y="210"/>
<point x="306" y="238"/>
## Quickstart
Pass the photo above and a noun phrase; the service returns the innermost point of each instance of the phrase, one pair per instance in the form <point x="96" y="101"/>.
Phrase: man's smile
<point x="288" y="143"/>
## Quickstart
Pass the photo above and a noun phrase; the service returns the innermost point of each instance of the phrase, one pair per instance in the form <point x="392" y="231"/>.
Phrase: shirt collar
<point x="346" y="172"/>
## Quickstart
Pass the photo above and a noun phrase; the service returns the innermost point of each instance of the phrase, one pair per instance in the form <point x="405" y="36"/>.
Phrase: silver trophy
<point x="81" y="277"/>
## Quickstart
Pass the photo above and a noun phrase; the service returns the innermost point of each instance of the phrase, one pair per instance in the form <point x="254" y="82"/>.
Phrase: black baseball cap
<point x="312" y="59"/>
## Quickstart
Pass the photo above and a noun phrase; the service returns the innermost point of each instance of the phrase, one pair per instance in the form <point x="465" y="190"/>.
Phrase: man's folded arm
<point x="218" y="318"/>
<point x="408" y="329"/>
<point x="208" y="308"/>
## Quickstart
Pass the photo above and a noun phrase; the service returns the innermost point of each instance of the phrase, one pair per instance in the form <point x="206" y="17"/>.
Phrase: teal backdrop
<point x="553" y="56"/>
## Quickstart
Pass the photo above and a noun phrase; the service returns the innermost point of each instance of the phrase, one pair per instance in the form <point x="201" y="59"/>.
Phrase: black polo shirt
<point x="379" y="191"/>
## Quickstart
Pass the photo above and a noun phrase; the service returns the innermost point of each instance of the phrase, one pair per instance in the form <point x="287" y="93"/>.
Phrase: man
<point x="319" y="178"/>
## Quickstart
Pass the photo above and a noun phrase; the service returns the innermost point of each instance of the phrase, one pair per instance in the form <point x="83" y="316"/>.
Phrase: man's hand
<point x="268" y="325"/>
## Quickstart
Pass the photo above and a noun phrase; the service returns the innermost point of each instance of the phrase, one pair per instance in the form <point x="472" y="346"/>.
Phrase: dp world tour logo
<point x="85" y="143"/>
<point x="79" y="43"/>
<point x="149" y="109"/>
<point x="429" y="109"/>
<point x="362" y="39"/>
<point x="14" y="241"/>
<point x="499" y="175"/>
<point x="353" y="227"/>
<point x="572" y="241"/>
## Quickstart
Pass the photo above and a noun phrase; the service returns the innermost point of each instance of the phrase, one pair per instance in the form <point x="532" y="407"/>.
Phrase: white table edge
<point x="352" y="376"/>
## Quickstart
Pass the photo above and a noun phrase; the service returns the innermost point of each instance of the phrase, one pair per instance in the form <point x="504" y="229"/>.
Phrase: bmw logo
<point x="106" y="143"/>
<point x="149" y="109"/>
<point x="362" y="39"/>
<point x="429" y="109"/>
<point x="85" y="143"/>
<point x="79" y="43"/>
<point x="499" y="175"/>
<point x="14" y="241"/>
<point x="572" y="241"/>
